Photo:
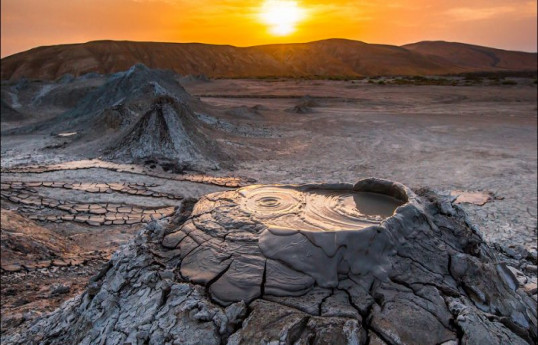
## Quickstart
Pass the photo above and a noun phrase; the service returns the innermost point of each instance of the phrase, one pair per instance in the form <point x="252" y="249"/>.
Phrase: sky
<point x="506" y="24"/>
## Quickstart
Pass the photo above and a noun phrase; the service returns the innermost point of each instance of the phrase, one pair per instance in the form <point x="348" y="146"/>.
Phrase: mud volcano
<point x="168" y="132"/>
<point x="324" y="230"/>
<point x="370" y="263"/>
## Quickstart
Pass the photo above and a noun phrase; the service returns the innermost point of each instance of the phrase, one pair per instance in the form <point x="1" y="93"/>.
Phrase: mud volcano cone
<point x="369" y="263"/>
<point x="168" y="132"/>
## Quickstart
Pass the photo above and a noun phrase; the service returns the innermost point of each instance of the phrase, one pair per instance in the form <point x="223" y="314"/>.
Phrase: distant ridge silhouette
<point x="326" y="58"/>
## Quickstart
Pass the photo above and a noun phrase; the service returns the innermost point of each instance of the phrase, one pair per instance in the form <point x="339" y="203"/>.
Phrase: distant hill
<point x="334" y="57"/>
<point x="476" y="57"/>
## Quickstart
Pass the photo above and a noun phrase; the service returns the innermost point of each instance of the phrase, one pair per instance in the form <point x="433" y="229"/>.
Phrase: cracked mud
<point x="301" y="264"/>
<point x="421" y="275"/>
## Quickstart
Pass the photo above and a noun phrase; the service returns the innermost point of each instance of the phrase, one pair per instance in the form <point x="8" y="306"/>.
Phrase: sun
<point x="281" y="16"/>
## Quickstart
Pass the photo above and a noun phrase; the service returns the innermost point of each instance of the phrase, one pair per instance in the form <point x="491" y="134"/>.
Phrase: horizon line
<point x="262" y="45"/>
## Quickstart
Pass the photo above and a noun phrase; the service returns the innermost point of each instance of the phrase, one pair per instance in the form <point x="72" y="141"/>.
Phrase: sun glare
<point x="281" y="16"/>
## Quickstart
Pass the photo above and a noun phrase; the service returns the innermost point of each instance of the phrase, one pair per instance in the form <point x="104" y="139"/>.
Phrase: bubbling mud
<point x="267" y="202"/>
<point x="283" y="240"/>
<point x="317" y="210"/>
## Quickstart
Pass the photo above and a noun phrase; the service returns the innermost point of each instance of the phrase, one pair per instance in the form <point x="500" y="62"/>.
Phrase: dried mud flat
<point x="475" y="146"/>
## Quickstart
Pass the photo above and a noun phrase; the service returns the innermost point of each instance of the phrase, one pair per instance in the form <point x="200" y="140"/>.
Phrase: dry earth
<point x="472" y="138"/>
<point x="476" y="138"/>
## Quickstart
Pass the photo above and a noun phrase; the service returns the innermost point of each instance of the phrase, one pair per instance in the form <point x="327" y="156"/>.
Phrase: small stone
<point x="59" y="290"/>
<point x="531" y="268"/>
<point x="93" y="223"/>
<point x="81" y="218"/>
<point x="64" y="207"/>
<point x="516" y="252"/>
<point x="42" y="264"/>
<point x="59" y="262"/>
<point x="533" y="255"/>
<point x="33" y="184"/>
<point x="81" y="207"/>
<point x="93" y="288"/>
<point x="76" y="262"/>
<point x="520" y="276"/>
<point x="12" y="268"/>
<point x="530" y="288"/>
<point x="98" y="211"/>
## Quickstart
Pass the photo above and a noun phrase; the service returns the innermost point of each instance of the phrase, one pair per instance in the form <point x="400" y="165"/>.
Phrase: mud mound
<point x="370" y="263"/>
<point x="168" y="132"/>
<point x="116" y="117"/>
<point x="64" y="96"/>
<point x="134" y="89"/>
<point x="44" y="100"/>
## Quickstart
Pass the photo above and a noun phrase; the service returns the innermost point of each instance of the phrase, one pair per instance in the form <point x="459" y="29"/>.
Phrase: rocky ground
<point x="474" y="144"/>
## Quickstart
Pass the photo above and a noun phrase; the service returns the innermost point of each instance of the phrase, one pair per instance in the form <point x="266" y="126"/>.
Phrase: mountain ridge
<point x="323" y="58"/>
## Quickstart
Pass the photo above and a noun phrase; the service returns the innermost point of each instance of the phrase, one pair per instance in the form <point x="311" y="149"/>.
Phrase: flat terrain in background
<point x="474" y="138"/>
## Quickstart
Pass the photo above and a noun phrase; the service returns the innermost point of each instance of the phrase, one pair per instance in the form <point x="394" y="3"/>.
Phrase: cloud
<point x="472" y="14"/>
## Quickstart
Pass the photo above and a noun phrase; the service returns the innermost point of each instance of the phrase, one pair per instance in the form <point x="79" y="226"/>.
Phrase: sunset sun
<point x="281" y="16"/>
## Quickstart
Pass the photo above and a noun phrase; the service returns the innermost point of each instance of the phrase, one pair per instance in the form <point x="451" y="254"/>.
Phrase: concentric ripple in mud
<point x="271" y="202"/>
<point x="317" y="210"/>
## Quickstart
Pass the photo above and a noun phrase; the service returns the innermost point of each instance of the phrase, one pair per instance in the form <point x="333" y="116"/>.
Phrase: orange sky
<point x="507" y="24"/>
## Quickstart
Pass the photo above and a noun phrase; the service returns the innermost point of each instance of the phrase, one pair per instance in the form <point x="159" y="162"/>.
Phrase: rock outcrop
<point x="370" y="263"/>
